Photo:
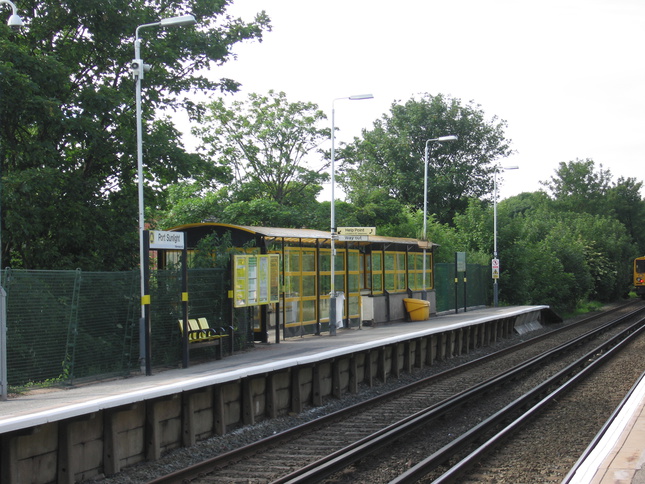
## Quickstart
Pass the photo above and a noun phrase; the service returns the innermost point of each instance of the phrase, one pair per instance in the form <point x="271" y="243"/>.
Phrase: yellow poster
<point x="256" y="279"/>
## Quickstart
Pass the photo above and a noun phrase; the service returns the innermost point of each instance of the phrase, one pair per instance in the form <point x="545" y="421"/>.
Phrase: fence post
<point x="3" y="344"/>
<point x="72" y="330"/>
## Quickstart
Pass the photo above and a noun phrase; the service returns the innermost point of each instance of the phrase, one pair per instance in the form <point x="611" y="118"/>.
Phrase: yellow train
<point x="639" y="276"/>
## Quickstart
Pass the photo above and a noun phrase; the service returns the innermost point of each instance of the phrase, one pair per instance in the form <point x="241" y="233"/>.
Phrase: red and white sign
<point x="495" y="267"/>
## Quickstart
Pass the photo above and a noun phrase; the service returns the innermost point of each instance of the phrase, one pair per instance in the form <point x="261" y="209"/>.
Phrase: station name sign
<point x="160" y="239"/>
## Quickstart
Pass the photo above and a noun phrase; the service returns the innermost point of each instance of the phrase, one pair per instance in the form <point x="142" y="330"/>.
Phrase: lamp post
<point x="495" y="259"/>
<point x="441" y="139"/>
<point x="138" y="68"/>
<point x="15" y="22"/>
<point x="332" y="297"/>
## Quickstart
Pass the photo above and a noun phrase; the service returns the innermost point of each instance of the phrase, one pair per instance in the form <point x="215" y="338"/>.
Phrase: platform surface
<point x="38" y="407"/>
<point x="619" y="455"/>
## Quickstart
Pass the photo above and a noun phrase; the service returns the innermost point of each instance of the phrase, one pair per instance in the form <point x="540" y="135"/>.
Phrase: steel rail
<point x="571" y="376"/>
<point x="342" y="458"/>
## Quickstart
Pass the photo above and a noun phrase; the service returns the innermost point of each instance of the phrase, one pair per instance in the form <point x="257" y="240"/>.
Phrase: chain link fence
<point x="65" y="326"/>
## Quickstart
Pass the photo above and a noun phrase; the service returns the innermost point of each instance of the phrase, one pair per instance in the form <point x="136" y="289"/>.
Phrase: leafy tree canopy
<point x="391" y="155"/>
<point x="67" y="123"/>
<point x="578" y="187"/>
<point x="267" y="143"/>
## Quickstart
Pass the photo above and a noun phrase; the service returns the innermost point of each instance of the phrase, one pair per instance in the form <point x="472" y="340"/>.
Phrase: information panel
<point x="460" y="261"/>
<point x="256" y="280"/>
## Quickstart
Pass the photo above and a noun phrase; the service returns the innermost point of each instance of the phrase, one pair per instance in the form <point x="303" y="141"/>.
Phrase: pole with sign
<point x="495" y="270"/>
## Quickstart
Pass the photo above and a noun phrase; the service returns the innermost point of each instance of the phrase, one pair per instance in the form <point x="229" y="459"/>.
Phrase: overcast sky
<point x="567" y="75"/>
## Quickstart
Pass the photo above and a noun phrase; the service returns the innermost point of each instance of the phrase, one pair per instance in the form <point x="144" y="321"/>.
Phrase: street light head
<point x="440" y="139"/>
<point x="504" y="168"/>
<point x="358" y="97"/>
<point x="177" y="21"/>
<point x="15" y="22"/>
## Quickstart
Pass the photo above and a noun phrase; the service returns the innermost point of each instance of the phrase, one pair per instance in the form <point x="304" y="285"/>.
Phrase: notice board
<point x="256" y="279"/>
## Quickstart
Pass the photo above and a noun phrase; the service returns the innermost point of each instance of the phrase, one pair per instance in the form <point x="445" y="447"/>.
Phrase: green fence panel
<point x="68" y="325"/>
<point x="39" y="308"/>
<point x="476" y="290"/>
<point x="107" y="341"/>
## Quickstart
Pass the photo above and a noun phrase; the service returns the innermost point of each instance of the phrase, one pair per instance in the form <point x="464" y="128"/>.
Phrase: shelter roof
<point x="303" y="235"/>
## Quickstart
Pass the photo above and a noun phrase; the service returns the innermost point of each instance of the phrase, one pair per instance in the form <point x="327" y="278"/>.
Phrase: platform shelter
<point x="374" y="275"/>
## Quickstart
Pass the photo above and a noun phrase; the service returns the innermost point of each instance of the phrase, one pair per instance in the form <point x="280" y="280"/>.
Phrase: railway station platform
<point x="48" y="405"/>
<point x="69" y="435"/>
<point x="617" y="454"/>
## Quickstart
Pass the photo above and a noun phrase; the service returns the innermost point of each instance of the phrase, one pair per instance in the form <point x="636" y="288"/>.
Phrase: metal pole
<point x="495" y="286"/>
<point x="495" y="255"/>
<point x="184" y="302"/>
<point x="138" y="69"/>
<point x="142" y="319"/>
<point x="424" y="293"/>
<point x="3" y="344"/>
<point x="15" y="22"/>
<point x="332" y="297"/>
<point x="440" y="139"/>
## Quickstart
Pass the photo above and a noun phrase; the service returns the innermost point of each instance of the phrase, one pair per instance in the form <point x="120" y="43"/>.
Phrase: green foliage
<point x="188" y="203"/>
<point x="67" y="139"/>
<point x="267" y="142"/>
<point x="560" y="258"/>
<point x="391" y="155"/>
<point x="577" y="187"/>
<point x="214" y="251"/>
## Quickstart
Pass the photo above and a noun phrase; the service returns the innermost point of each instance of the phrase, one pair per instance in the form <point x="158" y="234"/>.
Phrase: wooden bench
<point x="200" y="334"/>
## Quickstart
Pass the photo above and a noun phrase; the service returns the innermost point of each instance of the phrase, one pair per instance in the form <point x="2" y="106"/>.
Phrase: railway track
<point x="343" y="446"/>
<point x="544" y="402"/>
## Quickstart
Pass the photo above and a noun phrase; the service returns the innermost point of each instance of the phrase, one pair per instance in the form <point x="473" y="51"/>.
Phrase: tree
<point x="625" y="202"/>
<point x="557" y="257"/>
<point x="189" y="203"/>
<point x="391" y="155"/>
<point x="267" y="142"/>
<point x="67" y="139"/>
<point x="578" y="187"/>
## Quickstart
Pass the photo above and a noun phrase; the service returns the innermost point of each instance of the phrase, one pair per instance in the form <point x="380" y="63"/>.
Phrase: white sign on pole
<point x="353" y="238"/>
<point x="495" y="267"/>
<point x="356" y="231"/>
<point x="166" y="240"/>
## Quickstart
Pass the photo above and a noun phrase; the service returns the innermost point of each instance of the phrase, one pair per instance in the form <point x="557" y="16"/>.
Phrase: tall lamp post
<point x="15" y="22"/>
<point x="495" y="259"/>
<point x="138" y="68"/>
<point x="441" y="139"/>
<point x="332" y="297"/>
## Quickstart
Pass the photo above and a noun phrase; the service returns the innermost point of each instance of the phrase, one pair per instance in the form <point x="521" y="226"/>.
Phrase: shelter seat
<point x="200" y="334"/>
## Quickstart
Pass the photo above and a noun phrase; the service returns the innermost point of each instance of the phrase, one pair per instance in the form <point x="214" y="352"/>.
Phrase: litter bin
<point x="418" y="309"/>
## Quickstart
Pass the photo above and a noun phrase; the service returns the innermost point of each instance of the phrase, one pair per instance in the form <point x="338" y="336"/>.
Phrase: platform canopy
<point x="264" y="235"/>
